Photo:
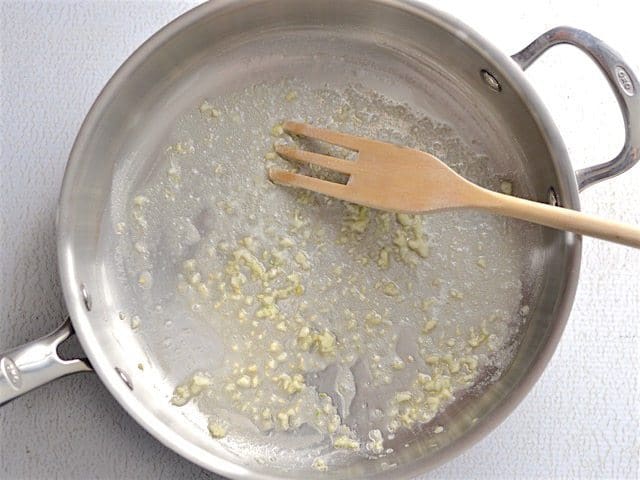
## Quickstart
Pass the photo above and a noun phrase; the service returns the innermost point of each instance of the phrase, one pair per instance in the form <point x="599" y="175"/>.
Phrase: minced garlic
<point x="319" y="465"/>
<point x="345" y="442"/>
<point x="216" y="429"/>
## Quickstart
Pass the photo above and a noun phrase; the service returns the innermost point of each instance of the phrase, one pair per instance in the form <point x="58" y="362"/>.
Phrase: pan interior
<point x="340" y="74"/>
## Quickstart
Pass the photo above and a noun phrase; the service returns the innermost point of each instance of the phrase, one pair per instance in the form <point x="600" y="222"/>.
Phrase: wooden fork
<point x="400" y="179"/>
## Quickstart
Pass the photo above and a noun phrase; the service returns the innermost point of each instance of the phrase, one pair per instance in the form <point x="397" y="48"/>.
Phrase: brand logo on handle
<point x="11" y="371"/>
<point x="624" y="79"/>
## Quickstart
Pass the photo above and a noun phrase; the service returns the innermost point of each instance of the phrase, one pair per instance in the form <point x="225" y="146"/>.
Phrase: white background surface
<point x="580" y="421"/>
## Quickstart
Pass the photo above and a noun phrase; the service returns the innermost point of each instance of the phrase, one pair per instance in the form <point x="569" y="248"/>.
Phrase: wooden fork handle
<point x="561" y="218"/>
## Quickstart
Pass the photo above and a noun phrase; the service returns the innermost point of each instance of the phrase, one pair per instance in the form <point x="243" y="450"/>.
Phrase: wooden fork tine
<point x="326" y="161"/>
<point x="345" y="140"/>
<point x="291" y="179"/>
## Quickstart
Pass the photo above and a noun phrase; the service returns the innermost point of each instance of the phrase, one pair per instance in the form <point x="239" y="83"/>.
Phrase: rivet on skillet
<point x="491" y="80"/>
<point x="553" y="197"/>
<point x="125" y="378"/>
<point x="85" y="297"/>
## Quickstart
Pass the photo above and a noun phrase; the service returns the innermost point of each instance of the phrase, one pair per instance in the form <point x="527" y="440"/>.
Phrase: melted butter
<point x="322" y="305"/>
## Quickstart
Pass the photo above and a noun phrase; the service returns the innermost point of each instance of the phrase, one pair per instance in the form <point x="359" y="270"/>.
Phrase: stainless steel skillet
<point x="432" y="57"/>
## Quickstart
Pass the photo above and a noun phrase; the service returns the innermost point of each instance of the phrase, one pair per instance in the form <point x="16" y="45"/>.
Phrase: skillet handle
<point x="36" y="363"/>
<point x="623" y="82"/>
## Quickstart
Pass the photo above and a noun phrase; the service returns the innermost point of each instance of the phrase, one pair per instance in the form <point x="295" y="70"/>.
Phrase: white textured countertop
<point x="581" y="420"/>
